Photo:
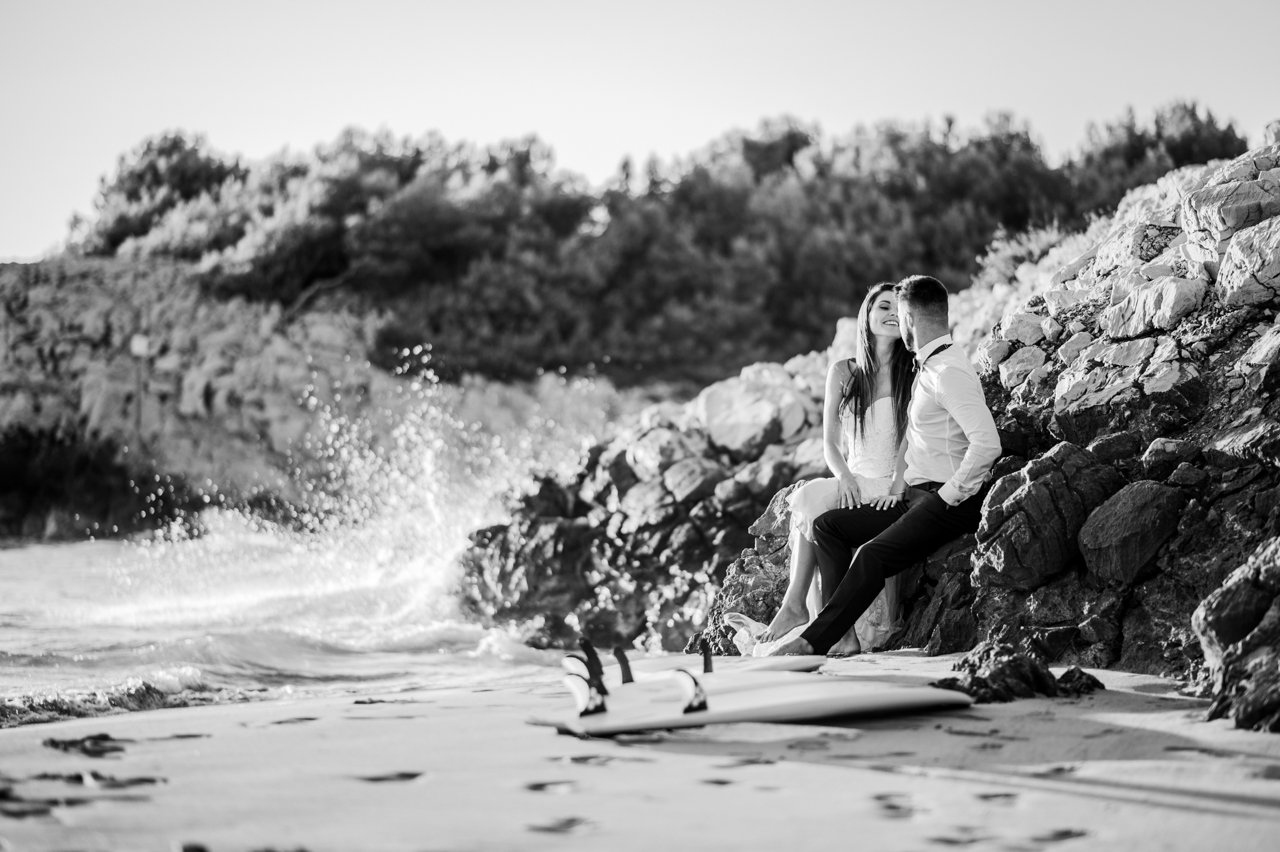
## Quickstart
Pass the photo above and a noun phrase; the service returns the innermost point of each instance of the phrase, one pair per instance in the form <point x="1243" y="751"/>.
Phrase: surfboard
<point x="804" y="697"/>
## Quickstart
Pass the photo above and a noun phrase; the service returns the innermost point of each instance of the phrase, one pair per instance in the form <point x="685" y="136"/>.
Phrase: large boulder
<point x="1250" y="273"/>
<point x="1239" y="195"/>
<point x="1239" y="630"/>
<point x="1031" y="518"/>
<point x="1158" y="304"/>
<point x="743" y="416"/>
<point x="1120" y="539"/>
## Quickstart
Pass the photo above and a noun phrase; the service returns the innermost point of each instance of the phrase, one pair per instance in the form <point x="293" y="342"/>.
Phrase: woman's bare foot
<point x="787" y="619"/>
<point x="846" y="647"/>
<point x="797" y="645"/>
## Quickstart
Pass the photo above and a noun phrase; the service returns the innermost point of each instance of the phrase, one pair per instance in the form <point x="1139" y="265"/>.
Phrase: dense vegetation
<point x="502" y="265"/>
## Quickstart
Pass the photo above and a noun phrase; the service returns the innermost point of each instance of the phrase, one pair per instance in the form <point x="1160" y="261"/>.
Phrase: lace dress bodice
<point x="873" y="453"/>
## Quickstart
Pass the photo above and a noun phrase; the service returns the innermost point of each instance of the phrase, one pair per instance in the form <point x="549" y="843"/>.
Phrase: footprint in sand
<point x="94" y="745"/>
<point x="567" y="825"/>
<point x="297" y="720"/>
<point x="1060" y="835"/>
<point x="557" y="787"/>
<point x="895" y="805"/>
<point x="999" y="798"/>
<point x="390" y="776"/>
<point x="95" y="779"/>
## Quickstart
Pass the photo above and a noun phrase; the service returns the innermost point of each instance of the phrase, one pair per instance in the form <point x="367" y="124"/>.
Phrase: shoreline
<point x="451" y="767"/>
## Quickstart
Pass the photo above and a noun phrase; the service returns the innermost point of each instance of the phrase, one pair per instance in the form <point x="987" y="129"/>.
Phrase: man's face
<point x="906" y="325"/>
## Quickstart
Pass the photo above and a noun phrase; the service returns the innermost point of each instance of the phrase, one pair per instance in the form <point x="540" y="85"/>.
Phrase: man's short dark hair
<point x="923" y="294"/>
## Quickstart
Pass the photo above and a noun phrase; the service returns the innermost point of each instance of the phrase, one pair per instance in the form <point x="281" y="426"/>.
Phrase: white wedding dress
<point x="871" y="457"/>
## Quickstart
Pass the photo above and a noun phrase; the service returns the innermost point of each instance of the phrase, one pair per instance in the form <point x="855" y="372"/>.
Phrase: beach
<point x="422" y="768"/>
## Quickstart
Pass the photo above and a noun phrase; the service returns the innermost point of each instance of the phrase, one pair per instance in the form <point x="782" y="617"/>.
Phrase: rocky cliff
<point x="1133" y="370"/>
<point x="126" y="395"/>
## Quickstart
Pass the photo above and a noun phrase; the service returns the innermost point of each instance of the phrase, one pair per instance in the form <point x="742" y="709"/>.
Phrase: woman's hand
<point x="850" y="494"/>
<point x="887" y="501"/>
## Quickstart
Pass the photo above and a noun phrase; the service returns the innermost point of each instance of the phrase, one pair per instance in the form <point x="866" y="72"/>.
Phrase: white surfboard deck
<point x="815" y="697"/>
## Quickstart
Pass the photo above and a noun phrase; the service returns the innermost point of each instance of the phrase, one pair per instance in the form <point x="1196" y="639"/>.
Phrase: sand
<point x="1130" y="768"/>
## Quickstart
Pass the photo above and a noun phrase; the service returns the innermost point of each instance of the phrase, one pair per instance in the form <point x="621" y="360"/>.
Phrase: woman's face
<point x="883" y="315"/>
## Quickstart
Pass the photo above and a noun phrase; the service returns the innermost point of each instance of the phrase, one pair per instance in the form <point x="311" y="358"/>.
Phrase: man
<point x="951" y="444"/>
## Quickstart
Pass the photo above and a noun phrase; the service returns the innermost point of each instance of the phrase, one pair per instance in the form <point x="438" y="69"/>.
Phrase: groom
<point x="951" y="444"/>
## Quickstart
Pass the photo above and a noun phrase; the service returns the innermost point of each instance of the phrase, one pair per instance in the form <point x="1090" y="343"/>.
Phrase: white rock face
<point x="1239" y="195"/>
<point x="1058" y="301"/>
<point x="1160" y="304"/>
<point x="991" y="353"/>
<point x="1250" y="273"/>
<point x="744" y="417"/>
<point x="1018" y="366"/>
<point x="1074" y="345"/>
<point x="1022" y="328"/>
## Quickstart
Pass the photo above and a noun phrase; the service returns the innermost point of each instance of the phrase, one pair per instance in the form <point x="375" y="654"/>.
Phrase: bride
<point x="865" y="410"/>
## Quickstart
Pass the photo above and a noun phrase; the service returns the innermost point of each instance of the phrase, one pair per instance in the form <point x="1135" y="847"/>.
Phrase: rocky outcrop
<point x="131" y="365"/>
<point x="1133" y="367"/>
<point x="1239" y="629"/>
<point x="1031" y="518"/>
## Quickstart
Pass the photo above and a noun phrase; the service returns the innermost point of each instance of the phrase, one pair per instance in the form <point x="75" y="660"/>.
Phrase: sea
<point x="362" y="596"/>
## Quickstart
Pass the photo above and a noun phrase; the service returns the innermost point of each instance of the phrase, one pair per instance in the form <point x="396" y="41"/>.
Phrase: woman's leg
<point x="794" y="610"/>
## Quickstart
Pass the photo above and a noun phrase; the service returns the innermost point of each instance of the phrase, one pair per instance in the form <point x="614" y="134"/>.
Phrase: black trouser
<point x="886" y="542"/>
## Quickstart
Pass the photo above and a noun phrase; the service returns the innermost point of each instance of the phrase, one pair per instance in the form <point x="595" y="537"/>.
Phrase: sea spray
<point x="354" y="587"/>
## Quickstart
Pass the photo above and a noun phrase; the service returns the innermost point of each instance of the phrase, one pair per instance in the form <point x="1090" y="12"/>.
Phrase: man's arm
<point x="960" y="393"/>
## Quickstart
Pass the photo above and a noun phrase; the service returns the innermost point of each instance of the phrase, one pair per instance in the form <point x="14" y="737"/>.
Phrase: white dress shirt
<point x="951" y="435"/>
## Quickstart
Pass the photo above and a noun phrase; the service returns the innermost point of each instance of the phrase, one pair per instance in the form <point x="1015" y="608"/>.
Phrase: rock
<point x="1115" y="447"/>
<point x="1258" y="441"/>
<point x="1075" y="682"/>
<point x="997" y="672"/>
<point x="1238" y="626"/>
<point x="1052" y="329"/>
<point x="658" y="449"/>
<point x="1160" y="304"/>
<point x="1018" y="366"/>
<point x="1250" y="273"/>
<point x="1188" y="476"/>
<point x="744" y="417"/>
<point x="1022" y="328"/>
<point x="1074" y="345"/>
<point x="1261" y="364"/>
<point x="1133" y="244"/>
<point x="691" y="480"/>
<point x="1059" y="301"/>
<point x="991" y="353"/>
<point x="1069" y="272"/>
<point x="1230" y="203"/>
<point x="1163" y="455"/>
<point x="845" y="344"/>
<point x="1122" y="536"/>
<point x="1030" y="519"/>
<point x="1037" y="388"/>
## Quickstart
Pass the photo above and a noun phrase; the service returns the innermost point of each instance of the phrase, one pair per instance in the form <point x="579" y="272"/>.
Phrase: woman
<point x="865" y="410"/>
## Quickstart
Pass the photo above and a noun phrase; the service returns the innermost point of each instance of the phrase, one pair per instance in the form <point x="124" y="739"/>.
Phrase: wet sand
<point x="1130" y="768"/>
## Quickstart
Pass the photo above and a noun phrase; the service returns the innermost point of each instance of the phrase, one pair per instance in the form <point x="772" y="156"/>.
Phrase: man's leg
<point x="925" y="526"/>
<point x="840" y="532"/>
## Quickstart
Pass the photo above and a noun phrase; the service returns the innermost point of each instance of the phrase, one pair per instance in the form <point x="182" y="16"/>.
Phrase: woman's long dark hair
<point x="859" y="391"/>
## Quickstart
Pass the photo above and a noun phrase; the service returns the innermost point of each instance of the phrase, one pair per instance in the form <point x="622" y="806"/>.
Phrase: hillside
<point x="1132" y="369"/>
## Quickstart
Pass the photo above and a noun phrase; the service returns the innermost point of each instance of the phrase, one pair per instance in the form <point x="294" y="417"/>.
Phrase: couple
<point x="918" y="458"/>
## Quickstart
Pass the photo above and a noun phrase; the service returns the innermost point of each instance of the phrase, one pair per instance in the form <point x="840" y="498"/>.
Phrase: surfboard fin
<point x="623" y="663"/>
<point x="595" y="669"/>
<point x="705" y="647"/>
<point x="695" y="697"/>
<point x="586" y="697"/>
<point x="576" y="664"/>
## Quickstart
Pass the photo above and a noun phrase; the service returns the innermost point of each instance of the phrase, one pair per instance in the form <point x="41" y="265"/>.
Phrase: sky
<point x="83" y="82"/>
